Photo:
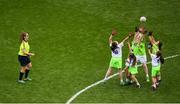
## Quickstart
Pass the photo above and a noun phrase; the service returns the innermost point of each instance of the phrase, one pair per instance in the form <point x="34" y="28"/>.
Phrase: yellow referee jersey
<point x="24" y="46"/>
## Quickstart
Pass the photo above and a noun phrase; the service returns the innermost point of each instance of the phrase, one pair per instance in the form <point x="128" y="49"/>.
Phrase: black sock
<point x="21" y="75"/>
<point x="26" y="74"/>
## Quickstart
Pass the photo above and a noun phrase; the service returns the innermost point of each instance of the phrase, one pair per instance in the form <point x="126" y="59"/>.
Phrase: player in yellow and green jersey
<point x="24" y="58"/>
<point x="138" y="46"/>
<point x="155" y="45"/>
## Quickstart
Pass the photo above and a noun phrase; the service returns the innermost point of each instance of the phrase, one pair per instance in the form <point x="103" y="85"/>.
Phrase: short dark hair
<point x="136" y="29"/>
<point x="159" y="54"/>
<point x="160" y="45"/>
<point x="132" y="57"/>
<point x="113" y="46"/>
<point x="150" y="33"/>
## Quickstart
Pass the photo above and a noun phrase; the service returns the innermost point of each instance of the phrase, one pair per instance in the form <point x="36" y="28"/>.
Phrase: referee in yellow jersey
<point x="24" y="58"/>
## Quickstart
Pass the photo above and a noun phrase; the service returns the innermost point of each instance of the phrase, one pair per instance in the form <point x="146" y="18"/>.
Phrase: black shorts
<point x="24" y="60"/>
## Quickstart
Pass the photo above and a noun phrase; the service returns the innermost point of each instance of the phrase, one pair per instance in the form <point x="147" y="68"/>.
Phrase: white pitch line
<point x="101" y="81"/>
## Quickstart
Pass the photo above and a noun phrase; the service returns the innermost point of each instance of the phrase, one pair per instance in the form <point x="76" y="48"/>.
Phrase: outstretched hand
<point x="114" y="32"/>
<point x="130" y="34"/>
<point x="150" y="33"/>
<point x="31" y="54"/>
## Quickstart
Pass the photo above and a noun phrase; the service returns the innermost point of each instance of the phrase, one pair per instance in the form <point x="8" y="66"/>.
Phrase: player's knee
<point x="29" y="65"/>
<point x="23" y="69"/>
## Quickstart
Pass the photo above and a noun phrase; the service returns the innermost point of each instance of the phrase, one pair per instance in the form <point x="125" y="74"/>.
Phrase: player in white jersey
<point x="131" y="68"/>
<point x="116" y="59"/>
<point x="127" y="64"/>
<point x="128" y="75"/>
<point x="157" y="60"/>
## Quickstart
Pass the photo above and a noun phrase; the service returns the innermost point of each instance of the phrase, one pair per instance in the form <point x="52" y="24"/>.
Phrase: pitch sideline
<point x="101" y="81"/>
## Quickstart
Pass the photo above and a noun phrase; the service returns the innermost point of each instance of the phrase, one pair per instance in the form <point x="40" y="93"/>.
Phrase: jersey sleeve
<point x="152" y="55"/>
<point x="121" y="44"/>
<point x="110" y="45"/>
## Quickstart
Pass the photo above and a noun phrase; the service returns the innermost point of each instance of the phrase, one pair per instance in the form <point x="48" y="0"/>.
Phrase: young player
<point x="157" y="60"/>
<point x="155" y="45"/>
<point x="133" y="67"/>
<point x="116" y="60"/>
<point x="128" y="75"/>
<point x="127" y="62"/>
<point x="24" y="57"/>
<point x="138" y="46"/>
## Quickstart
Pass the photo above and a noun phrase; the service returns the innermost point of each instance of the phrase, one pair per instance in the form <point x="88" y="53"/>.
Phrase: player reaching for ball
<point x="157" y="60"/>
<point x="128" y="75"/>
<point x="138" y="46"/>
<point x="155" y="45"/>
<point x="132" y="67"/>
<point x="127" y="62"/>
<point x="116" y="59"/>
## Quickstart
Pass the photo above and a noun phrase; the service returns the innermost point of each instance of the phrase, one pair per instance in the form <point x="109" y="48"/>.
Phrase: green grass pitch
<point x="69" y="38"/>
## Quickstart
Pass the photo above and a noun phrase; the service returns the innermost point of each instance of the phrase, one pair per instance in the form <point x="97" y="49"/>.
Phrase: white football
<point x="142" y="19"/>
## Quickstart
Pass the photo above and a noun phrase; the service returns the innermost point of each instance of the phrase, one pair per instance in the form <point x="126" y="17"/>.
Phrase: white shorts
<point x="141" y="59"/>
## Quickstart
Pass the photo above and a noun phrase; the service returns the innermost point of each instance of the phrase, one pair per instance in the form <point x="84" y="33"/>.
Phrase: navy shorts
<point x="24" y="60"/>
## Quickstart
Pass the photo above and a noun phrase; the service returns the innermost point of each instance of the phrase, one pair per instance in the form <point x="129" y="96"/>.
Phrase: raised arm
<point x="151" y="38"/>
<point x="110" y="39"/>
<point x="111" y="36"/>
<point x="125" y="39"/>
<point x="129" y="46"/>
<point x="149" y="51"/>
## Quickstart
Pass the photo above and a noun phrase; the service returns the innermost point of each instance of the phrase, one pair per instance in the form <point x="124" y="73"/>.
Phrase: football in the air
<point x="143" y="19"/>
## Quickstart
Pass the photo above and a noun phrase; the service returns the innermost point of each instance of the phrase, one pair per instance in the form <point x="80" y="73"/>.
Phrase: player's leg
<point x="158" y="78"/>
<point x="116" y="63"/>
<point x="134" y="71"/>
<point x="108" y="73"/>
<point x="154" y="74"/>
<point x="28" y="67"/>
<point x="23" y="62"/>
<point x="154" y="83"/>
<point x="133" y="77"/>
<point x="143" y="60"/>
<point x="146" y="71"/>
<point x="126" y="71"/>
<point x="21" y="74"/>
<point x="119" y="66"/>
<point x="121" y="76"/>
<point x="128" y="76"/>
